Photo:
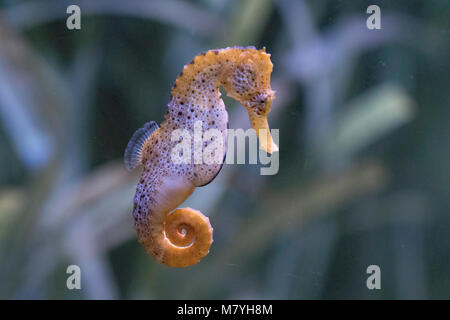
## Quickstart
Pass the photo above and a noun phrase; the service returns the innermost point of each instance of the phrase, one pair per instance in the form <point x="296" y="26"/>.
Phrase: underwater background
<point x="364" y="161"/>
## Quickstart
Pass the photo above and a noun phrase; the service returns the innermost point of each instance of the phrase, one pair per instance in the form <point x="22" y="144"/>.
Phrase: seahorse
<point x="182" y="237"/>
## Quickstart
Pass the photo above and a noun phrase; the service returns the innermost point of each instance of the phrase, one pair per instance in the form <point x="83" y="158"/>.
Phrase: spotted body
<point x="181" y="237"/>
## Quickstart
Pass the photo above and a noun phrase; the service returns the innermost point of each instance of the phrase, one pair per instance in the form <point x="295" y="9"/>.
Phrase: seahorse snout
<point x="258" y="108"/>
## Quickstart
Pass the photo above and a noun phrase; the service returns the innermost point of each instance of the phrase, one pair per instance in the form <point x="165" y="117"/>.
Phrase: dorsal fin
<point x="133" y="151"/>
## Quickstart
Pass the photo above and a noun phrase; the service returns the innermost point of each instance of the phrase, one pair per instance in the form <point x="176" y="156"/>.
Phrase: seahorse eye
<point x="260" y="98"/>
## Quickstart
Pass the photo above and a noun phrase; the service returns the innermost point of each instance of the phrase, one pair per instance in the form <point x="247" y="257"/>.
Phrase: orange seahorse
<point x="182" y="237"/>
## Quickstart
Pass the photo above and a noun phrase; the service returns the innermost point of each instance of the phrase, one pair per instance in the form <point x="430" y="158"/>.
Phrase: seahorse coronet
<point x="181" y="237"/>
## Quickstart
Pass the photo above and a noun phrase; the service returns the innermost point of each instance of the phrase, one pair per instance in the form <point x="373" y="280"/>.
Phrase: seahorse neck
<point x="201" y="90"/>
<point x="198" y="84"/>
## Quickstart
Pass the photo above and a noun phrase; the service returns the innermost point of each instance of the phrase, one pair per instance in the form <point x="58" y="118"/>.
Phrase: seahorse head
<point x="247" y="80"/>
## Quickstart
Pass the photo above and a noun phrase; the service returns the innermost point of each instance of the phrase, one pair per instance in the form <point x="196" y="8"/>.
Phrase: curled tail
<point x="176" y="237"/>
<point x="187" y="236"/>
